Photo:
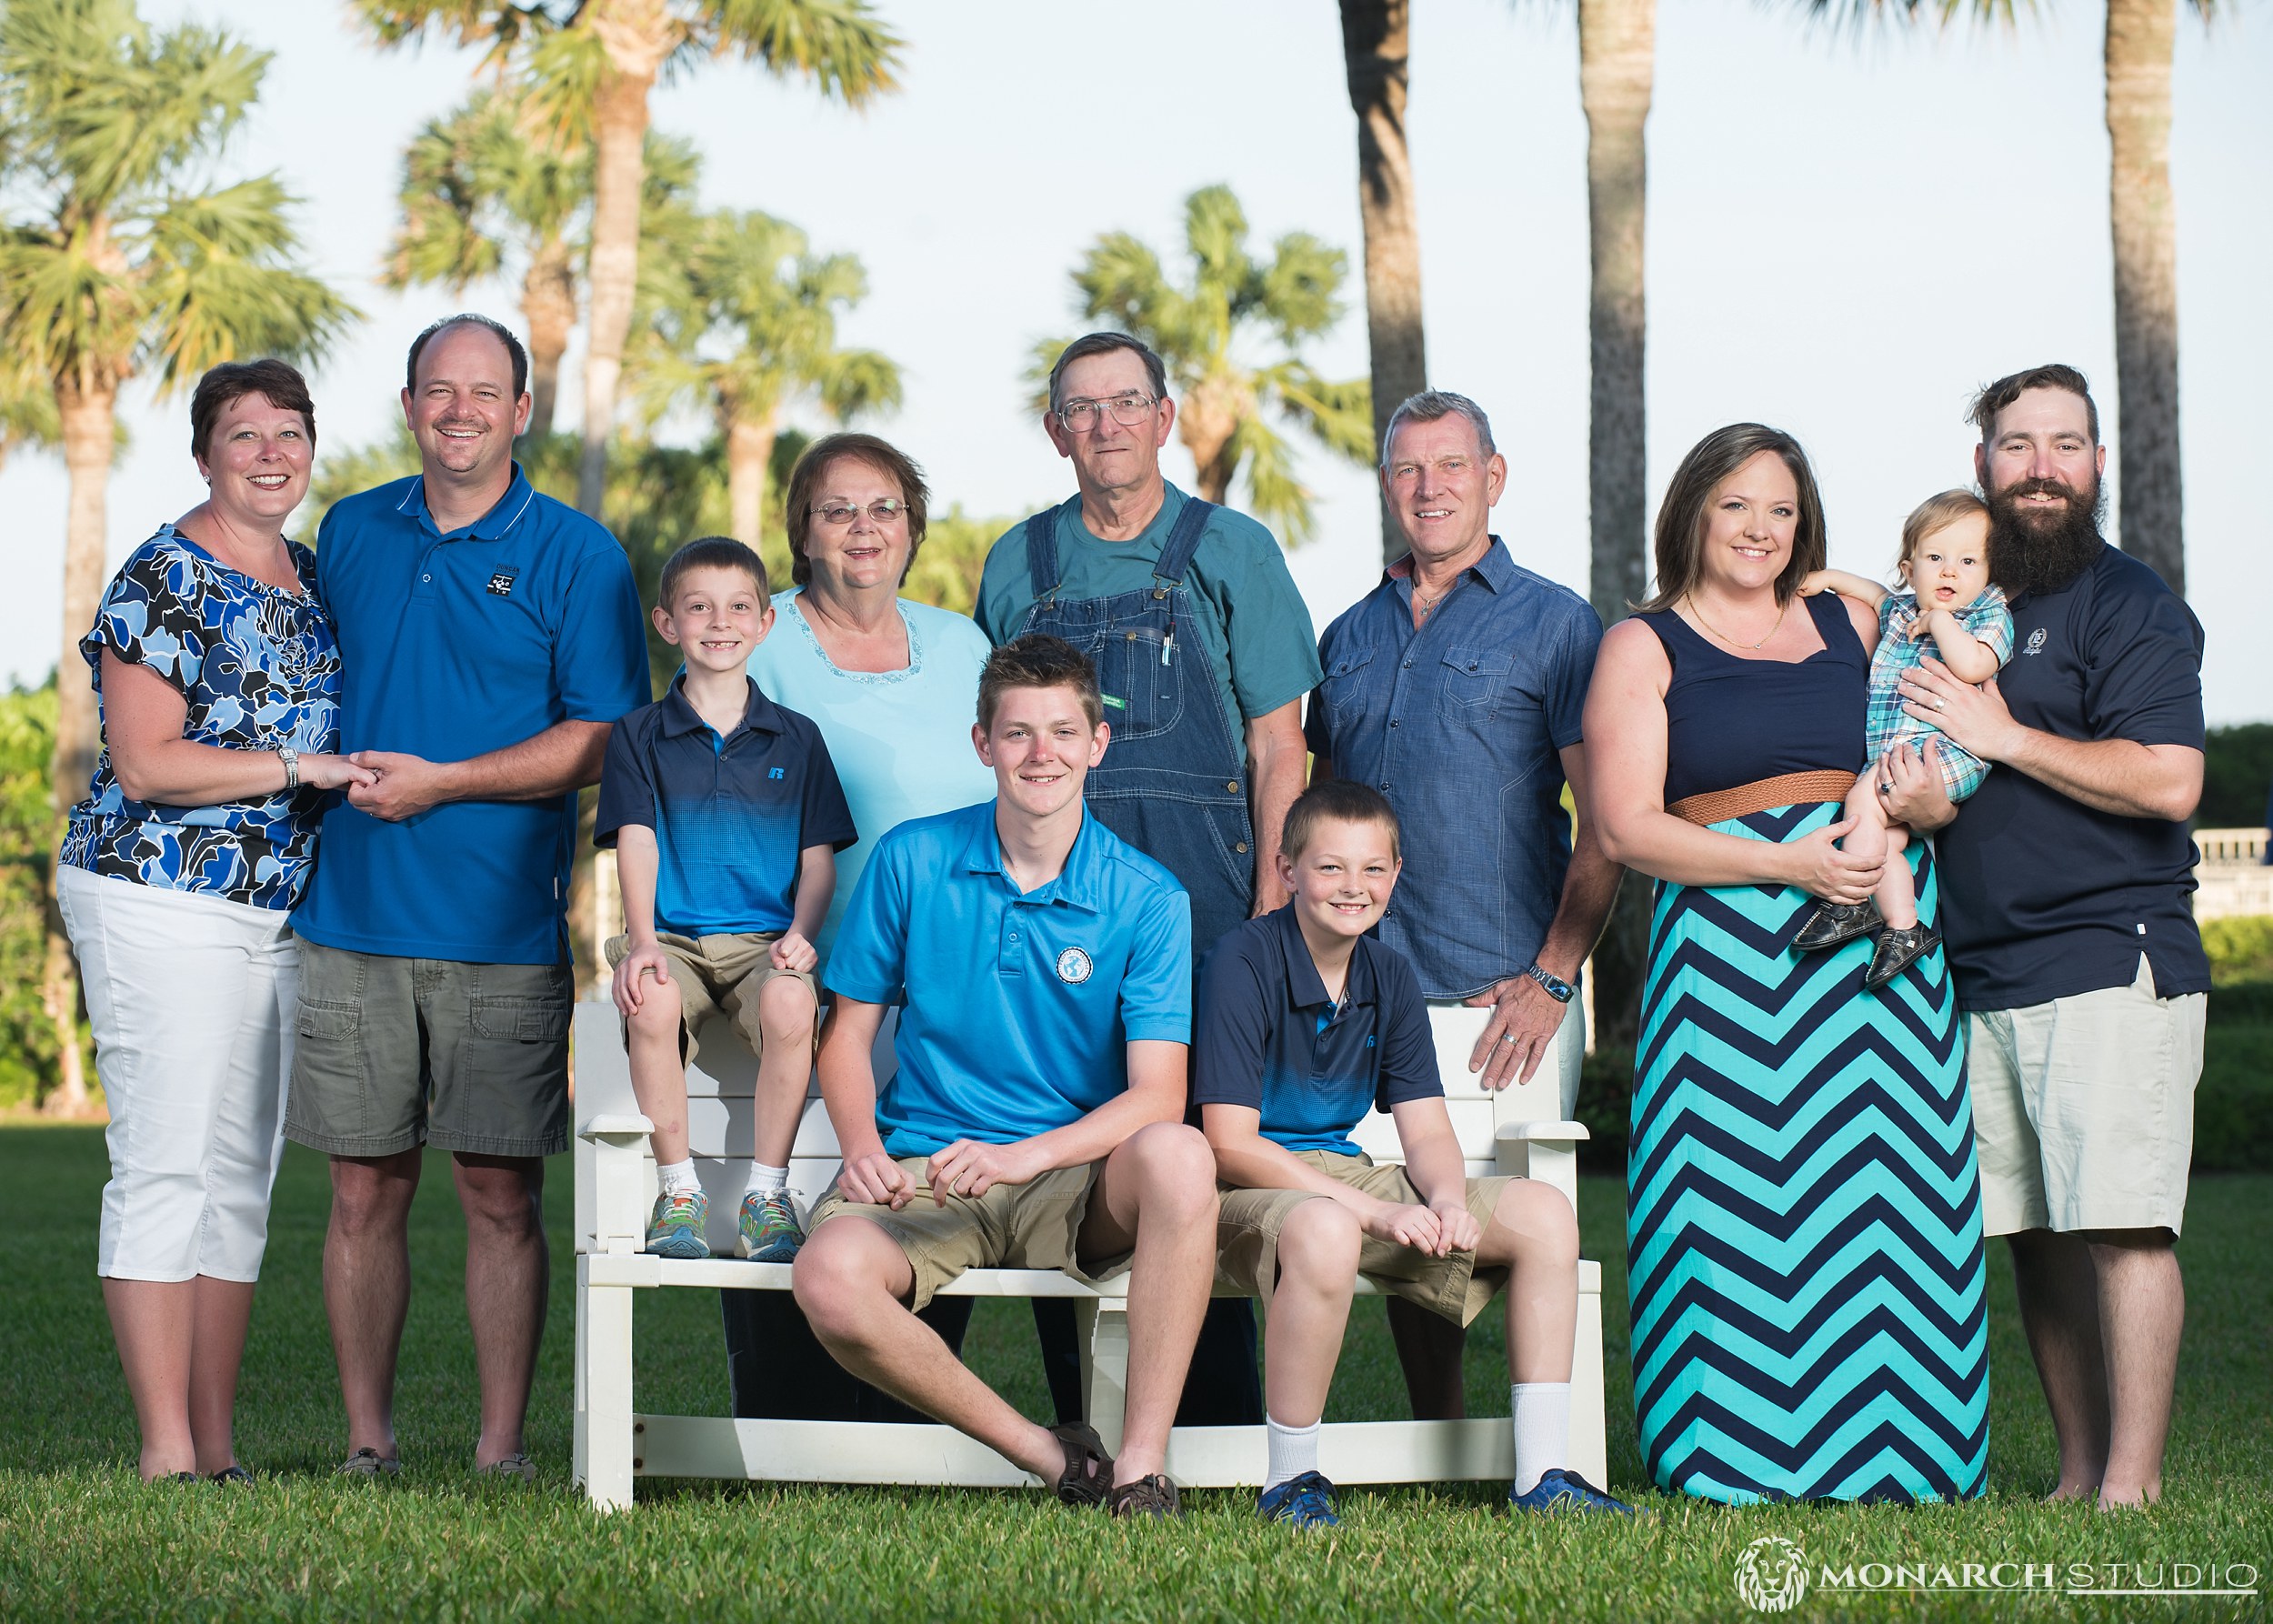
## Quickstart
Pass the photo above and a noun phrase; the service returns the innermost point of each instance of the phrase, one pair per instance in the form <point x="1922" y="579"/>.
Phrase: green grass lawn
<point x="81" y="1538"/>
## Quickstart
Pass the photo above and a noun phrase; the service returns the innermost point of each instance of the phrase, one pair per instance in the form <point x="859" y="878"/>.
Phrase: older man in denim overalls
<point x="1204" y="651"/>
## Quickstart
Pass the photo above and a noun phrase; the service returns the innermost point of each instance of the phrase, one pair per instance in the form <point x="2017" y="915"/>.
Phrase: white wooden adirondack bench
<point x="615" y="1188"/>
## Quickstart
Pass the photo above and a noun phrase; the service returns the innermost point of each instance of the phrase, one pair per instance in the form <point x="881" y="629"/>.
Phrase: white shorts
<point x="2083" y="1109"/>
<point x="1456" y="1028"/>
<point x="192" y="999"/>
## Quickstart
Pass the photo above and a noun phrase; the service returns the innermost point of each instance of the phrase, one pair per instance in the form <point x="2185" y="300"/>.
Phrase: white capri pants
<point x="193" y="1001"/>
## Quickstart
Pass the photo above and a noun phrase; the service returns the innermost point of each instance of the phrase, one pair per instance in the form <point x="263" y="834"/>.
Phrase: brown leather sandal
<point x="1088" y="1473"/>
<point x="1151" y="1496"/>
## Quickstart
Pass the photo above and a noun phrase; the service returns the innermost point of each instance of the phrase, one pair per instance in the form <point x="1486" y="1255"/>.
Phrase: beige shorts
<point x="2084" y="1109"/>
<point x="1248" y="1222"/>
<point x="1034" y="1225"/>
<point x="719" y="975"/>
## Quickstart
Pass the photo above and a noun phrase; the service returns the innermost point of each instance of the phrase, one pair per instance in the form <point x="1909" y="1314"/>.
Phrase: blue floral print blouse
<point x="259" y="668"/>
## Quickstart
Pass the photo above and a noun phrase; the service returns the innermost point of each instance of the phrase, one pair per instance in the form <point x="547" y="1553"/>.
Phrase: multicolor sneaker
<point x="1304" y="1502"/>
<point x="1561" y="1490"/>
<point x="676" y="1229"/>
<point x="770" y="1230"/>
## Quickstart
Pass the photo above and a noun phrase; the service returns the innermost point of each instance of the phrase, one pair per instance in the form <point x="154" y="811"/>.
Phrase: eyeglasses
<point x="884" y="510"/>
<point x="1128" y="410"/>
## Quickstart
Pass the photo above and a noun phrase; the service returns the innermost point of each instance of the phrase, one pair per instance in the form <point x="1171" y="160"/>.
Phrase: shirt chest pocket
<point x="1474" y="677"/>
<point x="1347" y="688"/>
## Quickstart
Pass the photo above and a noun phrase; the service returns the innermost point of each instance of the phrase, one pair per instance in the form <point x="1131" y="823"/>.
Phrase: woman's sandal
<point x="1835" y="924"/>
<point x="1897" y="951"/>
<point x="231" y="1476"/>
<point x="1088" y="1474"/>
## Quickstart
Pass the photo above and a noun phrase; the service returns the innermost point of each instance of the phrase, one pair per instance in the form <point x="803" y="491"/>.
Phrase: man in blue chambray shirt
<point x="1455" y="689"/>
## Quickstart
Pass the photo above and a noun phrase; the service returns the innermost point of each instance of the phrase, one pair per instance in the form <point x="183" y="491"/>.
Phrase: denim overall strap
<point x="1173" y="782"/>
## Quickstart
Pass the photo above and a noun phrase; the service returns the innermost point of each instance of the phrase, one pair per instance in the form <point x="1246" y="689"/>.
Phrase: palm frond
<point x="840" y="45"/>
<point x="1339" y="415"/>
<point x="1274" y="494"/>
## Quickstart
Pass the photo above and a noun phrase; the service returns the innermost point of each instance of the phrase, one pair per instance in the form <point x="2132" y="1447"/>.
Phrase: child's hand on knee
<point x="1461" y="1231"/>
<point x="1415" y="1226"/>
<point x="630" y="989"/>
<point x="793" y="952"/>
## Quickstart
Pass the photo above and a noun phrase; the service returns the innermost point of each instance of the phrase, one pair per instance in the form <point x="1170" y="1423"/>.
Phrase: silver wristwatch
<point x="291" y="759"/>
<point x="1556" y="987"/>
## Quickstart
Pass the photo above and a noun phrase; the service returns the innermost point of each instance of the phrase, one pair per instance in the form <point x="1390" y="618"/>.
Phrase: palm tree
<point x="1197" y="330"/>
<point x="592" y="64"/>
<point x="750" y="328"/>
<point x="113" y="261"/>
<point x="477" y="185"/>
<point x="1375" y="53"/>
<point x="2142" y="219"/>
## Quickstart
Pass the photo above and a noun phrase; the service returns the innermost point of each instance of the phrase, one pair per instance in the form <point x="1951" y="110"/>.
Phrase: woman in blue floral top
<point x="218" y="676"/>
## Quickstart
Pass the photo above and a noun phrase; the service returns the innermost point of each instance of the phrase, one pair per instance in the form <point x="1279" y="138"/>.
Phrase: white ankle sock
<point x="677" y="1175"/>
<point x="1541" y="1413"/>
<point x="766" y="1181"/>
<point x="1294" y="1451"/>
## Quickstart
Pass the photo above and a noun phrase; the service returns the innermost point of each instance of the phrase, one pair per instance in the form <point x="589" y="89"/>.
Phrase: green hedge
<point x="2236" y="771"/>
<point x="29" y="831"/>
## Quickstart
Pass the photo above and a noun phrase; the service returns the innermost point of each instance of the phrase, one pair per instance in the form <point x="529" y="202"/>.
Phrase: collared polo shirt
<point x="1015" y="1008"/>
<point x="1460" y="724"/>
<point x="1271" y="1039"/>
<point x="731" y="815"/>
<point x="454" y="646"/>
<point x="2043" y="897"/>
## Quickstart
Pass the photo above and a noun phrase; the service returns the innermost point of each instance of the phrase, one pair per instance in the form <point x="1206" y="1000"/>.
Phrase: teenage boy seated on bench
<point x="1305" y="1022"/>
<point x="1044" y="972"/>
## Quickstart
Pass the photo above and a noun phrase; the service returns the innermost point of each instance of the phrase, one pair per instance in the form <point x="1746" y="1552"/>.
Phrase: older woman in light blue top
<point x="893" y="685"/>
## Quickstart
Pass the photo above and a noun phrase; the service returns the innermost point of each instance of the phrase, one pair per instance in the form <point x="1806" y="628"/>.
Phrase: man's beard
<point x="2034" y="549"/>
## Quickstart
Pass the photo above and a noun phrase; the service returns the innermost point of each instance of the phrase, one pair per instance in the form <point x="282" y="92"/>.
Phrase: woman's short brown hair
<point x="1937" y="513"/>
<point x="1681" y="516"/>
<point x="277" y="381"/>
<point x="804" y="484"/>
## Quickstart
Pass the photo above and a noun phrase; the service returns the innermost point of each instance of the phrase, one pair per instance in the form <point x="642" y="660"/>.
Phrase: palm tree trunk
<point x="87" y="407"/>
<point x="1616" y="44"/>
<point x="636" y="37"/>
<point x="750" y="452"/>
<point x="1209" y="417"/>
<point x="2138" y="51"/>
<point x="548" y="304"/>
<point x="1375" y="53"/>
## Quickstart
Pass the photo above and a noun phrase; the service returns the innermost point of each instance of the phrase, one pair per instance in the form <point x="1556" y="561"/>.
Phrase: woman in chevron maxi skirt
<point x="1803" y="1228"/>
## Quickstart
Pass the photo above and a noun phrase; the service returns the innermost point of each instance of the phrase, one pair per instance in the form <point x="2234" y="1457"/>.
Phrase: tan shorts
<point x="719" y="975"/>
<point x="1248" y="1222"/>
<point x="1034" y="1225"/>
<point x="2084" y="1109"/>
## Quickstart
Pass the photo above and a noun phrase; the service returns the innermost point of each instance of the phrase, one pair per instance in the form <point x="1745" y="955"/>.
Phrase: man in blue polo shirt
<point x="1044" y="971"/>
<point x="2076" y="953"/>
<point x="490" y="638"/>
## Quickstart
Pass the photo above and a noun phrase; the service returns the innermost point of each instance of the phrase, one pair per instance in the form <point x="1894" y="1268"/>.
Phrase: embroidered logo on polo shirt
<point x="774" y="773"/>
<point x="1074" y="966"/>
<point x="2037" y="639"/>
<point x="501" y="583"/>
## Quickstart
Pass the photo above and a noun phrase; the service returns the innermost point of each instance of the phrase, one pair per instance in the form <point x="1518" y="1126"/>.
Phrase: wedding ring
<point x="1507" y="1037"/>
<point x="1941" y="705"/>
<point x="1886" y="786"/>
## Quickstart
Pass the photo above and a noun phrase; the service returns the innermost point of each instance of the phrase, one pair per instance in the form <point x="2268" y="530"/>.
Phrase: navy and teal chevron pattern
<point x="1803" y="1208"/>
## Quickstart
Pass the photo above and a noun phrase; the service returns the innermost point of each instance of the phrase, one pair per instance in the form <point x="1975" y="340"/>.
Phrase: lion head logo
<point x="1772" y="1574"/>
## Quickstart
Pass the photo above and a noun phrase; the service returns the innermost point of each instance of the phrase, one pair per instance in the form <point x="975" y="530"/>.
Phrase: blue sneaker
<point x="677" y="1227"/>
<point x="768" y="1227"/>
<point x="1562" y="1490"/>
<point x="1306" y="1502"/>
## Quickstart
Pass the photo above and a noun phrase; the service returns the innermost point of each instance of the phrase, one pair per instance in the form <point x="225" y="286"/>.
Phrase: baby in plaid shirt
<point x="1953" y="613"/>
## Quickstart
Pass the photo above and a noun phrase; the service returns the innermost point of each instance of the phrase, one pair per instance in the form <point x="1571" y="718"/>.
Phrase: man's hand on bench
<point x="972" y="1167"/>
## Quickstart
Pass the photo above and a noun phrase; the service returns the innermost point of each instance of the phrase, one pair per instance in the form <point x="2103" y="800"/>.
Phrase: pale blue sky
<point x="1845" y="236"/>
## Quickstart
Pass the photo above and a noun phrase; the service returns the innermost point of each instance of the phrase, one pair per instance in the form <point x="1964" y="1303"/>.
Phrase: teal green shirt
<point x="1253" y="624"/>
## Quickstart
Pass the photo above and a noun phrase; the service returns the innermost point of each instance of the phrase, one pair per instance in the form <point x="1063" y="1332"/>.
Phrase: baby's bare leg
<point x="1895" y="891"/>
<point x="1868" y="839"/>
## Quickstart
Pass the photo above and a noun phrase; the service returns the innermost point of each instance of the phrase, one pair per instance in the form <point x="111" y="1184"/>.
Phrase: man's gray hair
<point x="1105" y="344"/>
<point x="1431" y="405"/>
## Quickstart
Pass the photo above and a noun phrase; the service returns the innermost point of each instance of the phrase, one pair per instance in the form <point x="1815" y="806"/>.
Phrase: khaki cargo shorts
<point x="2083" y="1109"/>
<point x="1034" y="1225"/>
<point x="1248" y="1222"/>
<point x="393" y="1053"/>
<point x="719" y="975"/>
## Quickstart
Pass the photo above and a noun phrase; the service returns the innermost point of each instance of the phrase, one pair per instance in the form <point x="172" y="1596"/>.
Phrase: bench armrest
<point x="1547" y="1151"/>
<point x="1569" y="1133"/>
<point x="620" y="1157"/>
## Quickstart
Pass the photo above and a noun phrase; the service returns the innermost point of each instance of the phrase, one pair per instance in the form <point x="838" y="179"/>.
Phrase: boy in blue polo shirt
<point x="1044" y="971"/>
<point x="726" y="816"/>
<point x="1305" y="1023"/>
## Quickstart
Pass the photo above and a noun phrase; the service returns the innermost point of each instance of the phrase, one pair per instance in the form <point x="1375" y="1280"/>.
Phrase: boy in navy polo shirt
<point x="1306" y="1022"/>
<point x="1044" y="971"/>
<point x="726" y="816"/>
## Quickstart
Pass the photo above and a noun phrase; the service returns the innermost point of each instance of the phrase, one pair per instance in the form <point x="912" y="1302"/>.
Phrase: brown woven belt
<point x="1790" y="790"/>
